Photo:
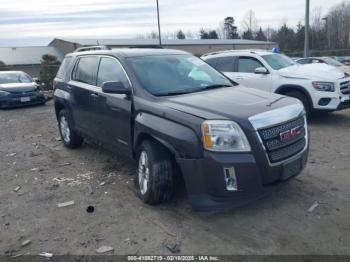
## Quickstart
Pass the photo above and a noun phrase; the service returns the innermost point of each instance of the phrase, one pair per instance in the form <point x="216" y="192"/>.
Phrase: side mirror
<point x="115" y="88"/>
<point x="261" y="71"/>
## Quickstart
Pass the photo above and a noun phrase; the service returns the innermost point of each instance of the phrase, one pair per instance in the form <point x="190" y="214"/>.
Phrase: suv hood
<point x="18" y="87"/>
<point x="321" y="72"/>
<point x="234" y="103"/>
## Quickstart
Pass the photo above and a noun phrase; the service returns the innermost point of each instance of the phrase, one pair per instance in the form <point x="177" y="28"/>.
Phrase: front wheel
<point x="154" y="179"/>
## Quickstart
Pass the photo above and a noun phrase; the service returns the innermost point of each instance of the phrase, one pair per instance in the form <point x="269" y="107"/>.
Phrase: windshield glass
<point x="14" y="77"/>
<point x="176" y="74"/>
<point x="277" y="61"/>
<point x="332" y="61"/>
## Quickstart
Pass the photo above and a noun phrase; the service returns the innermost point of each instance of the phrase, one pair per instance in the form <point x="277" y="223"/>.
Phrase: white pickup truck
<point x="317" y="86"/>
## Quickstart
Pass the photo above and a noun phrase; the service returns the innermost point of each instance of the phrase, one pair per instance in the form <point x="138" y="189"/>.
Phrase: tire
<point x="68" y="136"/>
<point x="302" y="98"/>
<point x="154" y="178"/>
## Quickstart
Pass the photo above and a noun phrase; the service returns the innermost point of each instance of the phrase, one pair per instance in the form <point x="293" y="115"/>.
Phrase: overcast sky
<point x="36" y="22"/>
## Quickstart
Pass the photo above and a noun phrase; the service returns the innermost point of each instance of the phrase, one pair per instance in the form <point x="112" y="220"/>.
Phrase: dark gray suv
<point x="177" y="115"/>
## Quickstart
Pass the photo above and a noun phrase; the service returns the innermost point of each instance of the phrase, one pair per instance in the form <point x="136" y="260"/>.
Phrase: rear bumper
<point x="206" y="186"/>
<point x="12" y="101"/>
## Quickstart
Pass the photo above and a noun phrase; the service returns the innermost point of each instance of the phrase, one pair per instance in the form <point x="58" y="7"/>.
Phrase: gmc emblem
<point x="290" y="134"/>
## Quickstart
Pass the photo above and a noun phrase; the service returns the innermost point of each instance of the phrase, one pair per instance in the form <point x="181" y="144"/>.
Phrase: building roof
<point x="27" y="55"/>
<point x="154" y="42"/>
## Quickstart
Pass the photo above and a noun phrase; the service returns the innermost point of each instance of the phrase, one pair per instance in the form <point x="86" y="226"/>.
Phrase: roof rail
<point x="253" y="51"/>
<point x="92" y="48"/>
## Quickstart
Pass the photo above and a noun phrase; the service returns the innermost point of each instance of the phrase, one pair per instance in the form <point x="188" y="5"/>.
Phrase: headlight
<point x="323" y="86"/>
<point x="224" y="136"/>
<point x="4" y="93"/>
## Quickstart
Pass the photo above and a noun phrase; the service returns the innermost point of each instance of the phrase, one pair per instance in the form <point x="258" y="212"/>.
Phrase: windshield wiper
<point x="214" y="87"/>
<point x="174" y="93"/>
<point x="182" y="92"/>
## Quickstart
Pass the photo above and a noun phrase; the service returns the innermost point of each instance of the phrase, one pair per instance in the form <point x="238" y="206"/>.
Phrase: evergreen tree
<point x="49" y="68"/>
<point x="180" y="35"/>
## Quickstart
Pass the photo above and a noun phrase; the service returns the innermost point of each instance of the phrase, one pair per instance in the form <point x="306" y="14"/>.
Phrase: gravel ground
<point x="33" y="158"/>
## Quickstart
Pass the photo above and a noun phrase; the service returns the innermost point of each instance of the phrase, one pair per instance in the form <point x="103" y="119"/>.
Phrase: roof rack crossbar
<point x="92" y="48"/>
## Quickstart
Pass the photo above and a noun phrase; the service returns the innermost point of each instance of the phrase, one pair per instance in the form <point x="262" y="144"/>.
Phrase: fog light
<point x="324" y="101"/>
<point x="230" y="178"/>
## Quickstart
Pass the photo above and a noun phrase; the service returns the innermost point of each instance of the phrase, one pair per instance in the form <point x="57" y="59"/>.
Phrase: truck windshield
<point x="277" y="61"/>
<point x="163" y="75"/>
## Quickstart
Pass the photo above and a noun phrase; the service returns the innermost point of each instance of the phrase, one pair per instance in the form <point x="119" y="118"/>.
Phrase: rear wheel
<point x="302" y="98"/>
<point x="69" y="137"/>
<point x="154" y="179"/>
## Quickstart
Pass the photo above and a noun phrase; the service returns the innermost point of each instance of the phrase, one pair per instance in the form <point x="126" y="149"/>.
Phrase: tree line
<point x="330" y="30"/>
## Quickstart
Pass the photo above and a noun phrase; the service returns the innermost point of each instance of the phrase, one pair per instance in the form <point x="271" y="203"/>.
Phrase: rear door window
<point x="223" y="64"/>
<point x="86" y="69"/>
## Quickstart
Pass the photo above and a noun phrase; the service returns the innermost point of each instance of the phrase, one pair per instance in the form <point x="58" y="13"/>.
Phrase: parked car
<point x="176" y="115"/>
<point x="19" y="89"/>
<point x="344" y="60"/>
<point x="318" y="86"/>
<point x="324" y="60"/>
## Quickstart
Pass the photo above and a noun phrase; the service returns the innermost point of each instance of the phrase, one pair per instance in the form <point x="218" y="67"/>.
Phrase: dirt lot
<point x="32" y="157"/>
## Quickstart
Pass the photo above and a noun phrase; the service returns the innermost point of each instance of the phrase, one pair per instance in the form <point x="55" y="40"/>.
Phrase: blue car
<point x="19" y="89"/>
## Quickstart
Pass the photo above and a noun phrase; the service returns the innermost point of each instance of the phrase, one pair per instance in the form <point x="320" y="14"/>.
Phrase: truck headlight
<point x="224" y="136"/>
<point x="3" y="93"/>
<point x="323" y="86"/>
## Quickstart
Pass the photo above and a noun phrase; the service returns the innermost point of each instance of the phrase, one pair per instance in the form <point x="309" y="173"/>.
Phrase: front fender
<point x="182" y="141"/>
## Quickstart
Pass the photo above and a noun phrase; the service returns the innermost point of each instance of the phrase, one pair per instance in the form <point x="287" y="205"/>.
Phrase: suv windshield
<point x="176" y="74"/>
<point x="12" y="78"/>
<point x="277" y="61"/>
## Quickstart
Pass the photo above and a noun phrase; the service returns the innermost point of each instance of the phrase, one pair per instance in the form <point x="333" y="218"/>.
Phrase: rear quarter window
<point x="62" y="71"/>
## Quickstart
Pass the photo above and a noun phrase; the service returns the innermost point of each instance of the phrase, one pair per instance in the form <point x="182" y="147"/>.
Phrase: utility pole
<point x="327" y="31"/>
<point x="159" y="35"/>
<point x="307" y="27"/>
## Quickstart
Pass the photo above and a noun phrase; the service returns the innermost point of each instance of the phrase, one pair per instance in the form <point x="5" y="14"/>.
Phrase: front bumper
<point x="206" y="186"/>
<point x="19" y="100"/>
<point x="344" y="105"/>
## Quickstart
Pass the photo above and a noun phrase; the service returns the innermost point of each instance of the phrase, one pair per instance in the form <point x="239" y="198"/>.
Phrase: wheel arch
<point x="284" y="89"/>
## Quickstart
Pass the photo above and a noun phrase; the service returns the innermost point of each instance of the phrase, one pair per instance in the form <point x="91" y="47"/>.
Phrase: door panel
<point x="82" y="86"/>
<point x="113" y="111"/>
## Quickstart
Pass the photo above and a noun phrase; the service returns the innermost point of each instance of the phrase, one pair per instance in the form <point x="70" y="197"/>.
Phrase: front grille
<point x="278" y="149"/>
<point x="345" y="87"/>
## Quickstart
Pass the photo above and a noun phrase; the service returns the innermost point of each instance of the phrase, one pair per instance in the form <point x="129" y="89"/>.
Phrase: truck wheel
<point x="154" y="179"/>
<point x="69" y="137"/>
<point x="303" y="99"/>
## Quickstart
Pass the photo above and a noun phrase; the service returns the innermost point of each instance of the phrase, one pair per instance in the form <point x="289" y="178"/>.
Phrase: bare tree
<point x="249" y="22"/>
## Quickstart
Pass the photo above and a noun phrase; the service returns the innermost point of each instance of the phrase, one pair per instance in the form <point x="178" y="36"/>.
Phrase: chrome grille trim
<point x="281" y="117"/>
